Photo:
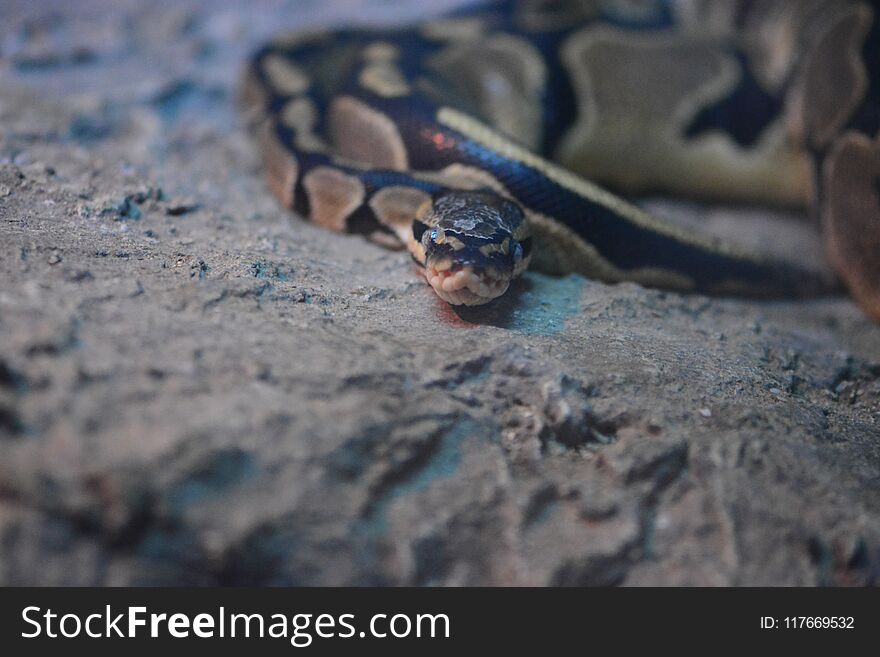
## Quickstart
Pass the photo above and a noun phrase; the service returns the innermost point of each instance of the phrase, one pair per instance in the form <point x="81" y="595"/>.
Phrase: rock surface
<point x="198" y="388"/>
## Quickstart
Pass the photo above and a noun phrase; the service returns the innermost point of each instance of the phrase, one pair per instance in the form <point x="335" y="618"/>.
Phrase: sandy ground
<point x="196" y="387"/>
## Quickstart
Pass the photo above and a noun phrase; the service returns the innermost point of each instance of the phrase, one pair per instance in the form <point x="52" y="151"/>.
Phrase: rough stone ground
<point x="197" y="388"/>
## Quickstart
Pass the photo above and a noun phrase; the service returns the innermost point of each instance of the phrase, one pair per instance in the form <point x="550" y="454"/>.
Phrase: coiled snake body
<point x="473" y="140"/>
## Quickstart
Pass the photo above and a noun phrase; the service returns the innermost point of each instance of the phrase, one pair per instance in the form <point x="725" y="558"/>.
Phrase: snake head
<point x="472" y="244"/>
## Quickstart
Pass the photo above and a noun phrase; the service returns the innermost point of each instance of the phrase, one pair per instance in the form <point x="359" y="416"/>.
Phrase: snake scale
<point x="487" y="140"/>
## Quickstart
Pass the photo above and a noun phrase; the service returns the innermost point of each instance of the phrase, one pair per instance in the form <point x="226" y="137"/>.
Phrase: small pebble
<point x="705" y="412"/>
<point x="180" y="207"/>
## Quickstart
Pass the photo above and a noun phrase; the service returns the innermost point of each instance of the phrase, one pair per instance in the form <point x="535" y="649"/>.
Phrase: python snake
<point x="474" y="140"/>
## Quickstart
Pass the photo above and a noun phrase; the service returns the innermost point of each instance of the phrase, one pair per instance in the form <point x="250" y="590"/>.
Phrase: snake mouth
<point x="462" y="285"/>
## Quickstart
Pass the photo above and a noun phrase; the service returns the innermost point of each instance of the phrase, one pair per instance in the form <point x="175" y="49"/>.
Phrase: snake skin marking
<point x="489" y="249"/>
<point x="413" y="240"/>
<point x="282" y="168"/>
<point x="301" y="116"/>
<point x="360" y="133"/>
<point x="836" y="79"/>
<point x="635" y="11"/>
<point x="584" y="257"/>
<point x="548" y="15"/>
<point x="463" y="176"/>
<point x="769" y="33"/>
<point x="851" y="216"/>
<point x="381" y="75"/>
<point x="773" y="34"/>
<point x="777" y="37"/>
<point x="559" y="251"/>
<point x="384" y="79"/>
<point x="299" y="38"/>
<point x="453" y="29"/>
<point x="253" y="99"/>
<point x="381" y="51"/>
<point x="483" y="134"/>
<point x="676" y="78"/>
<point x="505" y="76"/>
<point x="396" y="206"/>
<point x="455" y="243"/>
<point x="333" y="196"/>
<point x="284" y="75"/>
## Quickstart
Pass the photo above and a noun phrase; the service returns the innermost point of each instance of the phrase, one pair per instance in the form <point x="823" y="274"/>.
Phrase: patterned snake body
<point x="472" y="140"/>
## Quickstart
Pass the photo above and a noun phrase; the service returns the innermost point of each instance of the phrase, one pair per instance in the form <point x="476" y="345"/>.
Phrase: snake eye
<point x="434" y="233"/>
<point x="418" y="230"/>
<point x="517" y="252"/>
